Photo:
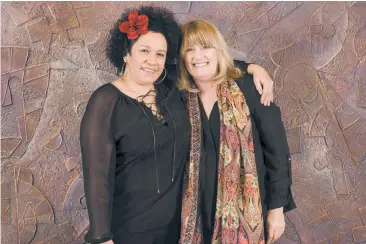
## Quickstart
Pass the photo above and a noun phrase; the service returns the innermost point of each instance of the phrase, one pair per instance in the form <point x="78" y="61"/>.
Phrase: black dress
<point x="133" y="174"/>
<point x="271" y="154"/>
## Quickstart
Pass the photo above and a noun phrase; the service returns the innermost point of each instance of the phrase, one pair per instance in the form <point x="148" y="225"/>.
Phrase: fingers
<point x="267" y="94"/>
<point x="258" y="85"/>
<point x="270" y="236"/>
<point x="275" y="224"/>
<point x="274" y="234"/>
<point x="269" y="99"/>
<point x="263" y="99"/>
<point x="266" y="99"/>
<point x="277" y="235"/>
<point x="266" y="91"/>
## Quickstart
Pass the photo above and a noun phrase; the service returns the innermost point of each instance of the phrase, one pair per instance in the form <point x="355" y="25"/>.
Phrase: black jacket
<point x="271" y="153"/>
<point x="271" y="150"/>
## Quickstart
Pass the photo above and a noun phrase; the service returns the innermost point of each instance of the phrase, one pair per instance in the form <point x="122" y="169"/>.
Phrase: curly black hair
<point x="161" y="20"/>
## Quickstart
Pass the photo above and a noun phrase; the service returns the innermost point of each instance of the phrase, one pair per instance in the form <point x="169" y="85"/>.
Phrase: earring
<point x="161" y="79"/>
<point x="123" y="69"/>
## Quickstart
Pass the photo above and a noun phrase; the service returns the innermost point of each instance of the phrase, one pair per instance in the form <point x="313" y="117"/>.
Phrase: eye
<point x="144" y="51"/>
<point x="205" y="47"/>
<point x="189" y="49"/>
<point x="161" y="55"/>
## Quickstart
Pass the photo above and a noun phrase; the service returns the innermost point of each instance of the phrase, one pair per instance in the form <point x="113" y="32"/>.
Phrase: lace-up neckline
<point x="152" y="106"/>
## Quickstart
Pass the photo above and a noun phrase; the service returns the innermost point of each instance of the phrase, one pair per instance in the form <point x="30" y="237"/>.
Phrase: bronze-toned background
<point x="53" y="57"/>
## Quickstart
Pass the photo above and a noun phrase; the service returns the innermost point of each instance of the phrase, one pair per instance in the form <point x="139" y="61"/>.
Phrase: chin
<point x="148" y="82"/>
<point x="144" y="82"/>
<point x="204" y="77"/>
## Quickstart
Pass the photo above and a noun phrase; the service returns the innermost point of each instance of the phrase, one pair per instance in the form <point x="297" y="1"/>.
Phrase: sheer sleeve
<point x="242" y="65"/>
<point x="275" y="147"/>
<point x="99" y="162"/>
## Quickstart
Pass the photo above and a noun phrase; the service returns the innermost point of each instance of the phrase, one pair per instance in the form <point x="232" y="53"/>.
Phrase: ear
<point x="125" y="56"/>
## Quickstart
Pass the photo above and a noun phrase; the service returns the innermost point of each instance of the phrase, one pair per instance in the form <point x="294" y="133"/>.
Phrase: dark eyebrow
<point x="150" y="48"/>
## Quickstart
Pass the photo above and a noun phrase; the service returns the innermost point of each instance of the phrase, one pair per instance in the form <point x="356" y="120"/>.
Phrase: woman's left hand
<point x="275" y="224"/>
<point x="262" y="79"/>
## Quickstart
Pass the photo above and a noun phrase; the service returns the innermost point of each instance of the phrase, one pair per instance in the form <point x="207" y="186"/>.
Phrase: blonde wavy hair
<point x="202" y="32"/>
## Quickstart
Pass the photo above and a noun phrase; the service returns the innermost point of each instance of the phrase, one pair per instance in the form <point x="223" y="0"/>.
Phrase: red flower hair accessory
<point x="135" y="26"/>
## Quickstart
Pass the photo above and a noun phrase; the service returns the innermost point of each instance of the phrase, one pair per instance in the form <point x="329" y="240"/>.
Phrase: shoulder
<point x="253" y="99"/>
<point x="241" y="65"/>
<point x="104" y="98"/>
<point x="246" y="81"/>
<point x="247" y="87"/>
<point x="106" y="90"/>
<point x="105" y="93"/>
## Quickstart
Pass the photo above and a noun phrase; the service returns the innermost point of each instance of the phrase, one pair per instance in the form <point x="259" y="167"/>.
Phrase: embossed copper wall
<point x="53" y="57"/>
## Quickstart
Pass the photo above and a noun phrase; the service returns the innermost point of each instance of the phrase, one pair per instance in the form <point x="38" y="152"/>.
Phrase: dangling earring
<point x="122" y="73"/>
<point x="161" y="79"/>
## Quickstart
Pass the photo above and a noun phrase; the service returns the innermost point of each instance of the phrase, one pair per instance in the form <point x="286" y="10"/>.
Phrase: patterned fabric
<point x="191" y="222"/>
<point x="238" y="217"/>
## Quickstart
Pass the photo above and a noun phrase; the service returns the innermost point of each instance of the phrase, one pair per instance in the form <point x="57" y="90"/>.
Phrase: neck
<point x="206" y="87"/>
<point x="137" y="88"/>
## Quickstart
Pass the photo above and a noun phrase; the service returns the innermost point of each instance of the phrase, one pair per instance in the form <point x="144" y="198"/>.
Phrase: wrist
<point x="277" y="210"/>
<point x="252" y="68"/>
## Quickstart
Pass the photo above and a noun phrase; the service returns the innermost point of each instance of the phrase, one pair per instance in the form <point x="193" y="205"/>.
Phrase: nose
<point x="151" y="59"/>
<point x="197" y="53"/>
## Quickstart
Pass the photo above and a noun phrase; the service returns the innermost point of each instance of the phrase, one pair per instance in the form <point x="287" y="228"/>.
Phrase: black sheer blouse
<point x="133" y="166"/>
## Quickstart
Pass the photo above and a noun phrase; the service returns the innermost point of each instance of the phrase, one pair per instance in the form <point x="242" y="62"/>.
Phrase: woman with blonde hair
<point x="237" y="183"/>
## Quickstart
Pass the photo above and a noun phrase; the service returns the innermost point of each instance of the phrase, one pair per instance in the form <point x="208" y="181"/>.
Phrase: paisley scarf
<point x="238" y="216"/>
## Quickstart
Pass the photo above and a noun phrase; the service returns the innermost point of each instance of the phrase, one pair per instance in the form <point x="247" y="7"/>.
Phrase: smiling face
<point x="146" y="61"/>
<point x="201" y="62"/>
<point x="204" y="55"/>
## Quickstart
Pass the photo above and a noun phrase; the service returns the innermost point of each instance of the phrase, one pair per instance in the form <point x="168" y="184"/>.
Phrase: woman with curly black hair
<point x="135" y="135"/>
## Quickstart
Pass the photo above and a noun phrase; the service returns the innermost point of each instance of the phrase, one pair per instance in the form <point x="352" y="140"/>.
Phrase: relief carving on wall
<point x="53" y="58"/>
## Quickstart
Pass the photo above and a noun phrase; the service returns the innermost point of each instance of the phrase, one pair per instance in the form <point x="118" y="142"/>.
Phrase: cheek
<point x="214" y="65"/>
<point x="186" y="61"/>
<point x="161" y="68"/>
<point x="161" y="63"/>
<point x="187" y="64"/>
<point x="135" y="62"/>
<point x="213" y="58"/>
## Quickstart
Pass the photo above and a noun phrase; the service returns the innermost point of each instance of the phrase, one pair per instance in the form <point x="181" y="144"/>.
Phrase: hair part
<point x="204" y="33"/>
